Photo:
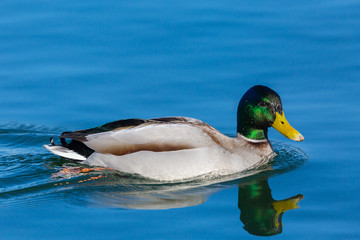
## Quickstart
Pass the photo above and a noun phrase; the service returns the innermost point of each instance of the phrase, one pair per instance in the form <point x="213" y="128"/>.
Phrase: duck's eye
<point x="262" y="104"/>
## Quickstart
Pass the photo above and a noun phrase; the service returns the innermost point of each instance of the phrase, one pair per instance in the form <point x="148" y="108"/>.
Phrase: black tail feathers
<point x="76" y="146"/>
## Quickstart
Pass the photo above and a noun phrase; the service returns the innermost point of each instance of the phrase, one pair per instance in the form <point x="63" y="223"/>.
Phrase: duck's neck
<point x="251" y="133"/>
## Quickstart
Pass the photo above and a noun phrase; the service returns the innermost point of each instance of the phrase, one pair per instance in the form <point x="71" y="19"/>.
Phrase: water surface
<point x="68" y="66"/>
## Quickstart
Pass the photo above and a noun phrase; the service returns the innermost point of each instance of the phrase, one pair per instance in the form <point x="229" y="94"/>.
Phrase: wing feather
<point x="153" y="137"/>
<point x="157" y="135"/>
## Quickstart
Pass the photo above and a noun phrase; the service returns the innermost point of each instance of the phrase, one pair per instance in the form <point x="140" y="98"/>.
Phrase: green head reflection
<point x="260" y="213"/>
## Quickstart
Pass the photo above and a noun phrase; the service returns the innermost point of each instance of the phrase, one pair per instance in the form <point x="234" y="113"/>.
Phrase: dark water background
<point x="68" y="65"/>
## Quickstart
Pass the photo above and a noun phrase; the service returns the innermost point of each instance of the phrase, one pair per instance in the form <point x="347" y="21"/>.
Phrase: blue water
<point x="68" y="65"/>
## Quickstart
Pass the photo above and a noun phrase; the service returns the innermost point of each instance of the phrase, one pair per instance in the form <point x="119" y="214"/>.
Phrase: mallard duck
<point x="178" y="148"/>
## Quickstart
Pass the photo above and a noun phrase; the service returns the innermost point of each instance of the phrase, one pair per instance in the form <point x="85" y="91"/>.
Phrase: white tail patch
<point x="64" y="152"/>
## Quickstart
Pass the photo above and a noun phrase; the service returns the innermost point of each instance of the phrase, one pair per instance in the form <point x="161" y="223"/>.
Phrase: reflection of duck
<point x="176" y="148"/>
<point x="260" y="213"/>
<point x="161" y="197"/>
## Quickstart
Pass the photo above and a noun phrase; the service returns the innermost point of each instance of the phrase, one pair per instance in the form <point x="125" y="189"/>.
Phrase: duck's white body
<point x="168" y="149"/>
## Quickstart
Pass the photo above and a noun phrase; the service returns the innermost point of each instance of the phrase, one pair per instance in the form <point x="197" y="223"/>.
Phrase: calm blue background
<point x="68" y="65"/>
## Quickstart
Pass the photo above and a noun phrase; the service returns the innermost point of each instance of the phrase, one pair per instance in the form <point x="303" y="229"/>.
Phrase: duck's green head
<point x="259" y="109"/>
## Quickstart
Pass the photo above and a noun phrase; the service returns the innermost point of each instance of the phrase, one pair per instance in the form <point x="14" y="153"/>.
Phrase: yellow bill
<point x="282" y="125"/>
